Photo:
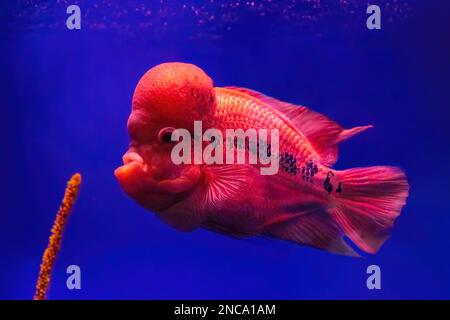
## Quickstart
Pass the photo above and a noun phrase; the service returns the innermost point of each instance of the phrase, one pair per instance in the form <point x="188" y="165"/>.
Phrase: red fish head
<point x="168" y="96"/>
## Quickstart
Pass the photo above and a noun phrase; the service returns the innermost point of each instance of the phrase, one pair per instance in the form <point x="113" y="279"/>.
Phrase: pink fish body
<point x="306" y="202"/>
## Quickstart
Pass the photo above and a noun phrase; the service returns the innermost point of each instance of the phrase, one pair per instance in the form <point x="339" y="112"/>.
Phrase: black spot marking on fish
<point x="309" y="170"/>
<point x="339" y="188"/>
<point x="327" y="185"/>
<point x="288" y="163"/>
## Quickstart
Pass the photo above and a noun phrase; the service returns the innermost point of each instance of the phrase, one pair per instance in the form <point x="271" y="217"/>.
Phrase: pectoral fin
<point x="224" y="182"/>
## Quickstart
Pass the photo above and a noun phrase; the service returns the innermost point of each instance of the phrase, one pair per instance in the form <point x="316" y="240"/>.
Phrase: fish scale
<point x="232" y="109"/>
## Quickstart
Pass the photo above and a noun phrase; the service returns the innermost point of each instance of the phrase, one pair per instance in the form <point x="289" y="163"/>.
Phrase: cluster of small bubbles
<point x="210" y="18"/>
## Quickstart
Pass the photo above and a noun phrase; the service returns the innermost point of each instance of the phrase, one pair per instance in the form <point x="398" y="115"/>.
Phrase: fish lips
<point x="136" y="178"/>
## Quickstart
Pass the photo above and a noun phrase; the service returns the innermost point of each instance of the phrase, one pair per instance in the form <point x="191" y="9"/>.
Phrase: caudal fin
<point x="369" y="201"/>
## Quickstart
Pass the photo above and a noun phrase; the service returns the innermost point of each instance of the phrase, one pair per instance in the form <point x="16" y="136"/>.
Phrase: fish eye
<point x="165" y="135"/>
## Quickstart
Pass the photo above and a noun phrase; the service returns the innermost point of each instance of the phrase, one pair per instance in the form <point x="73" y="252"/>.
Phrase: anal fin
<point x="311" y="227"/>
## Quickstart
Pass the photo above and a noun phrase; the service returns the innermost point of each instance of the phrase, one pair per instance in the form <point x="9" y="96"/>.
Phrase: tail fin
<point x="368" y="204"/>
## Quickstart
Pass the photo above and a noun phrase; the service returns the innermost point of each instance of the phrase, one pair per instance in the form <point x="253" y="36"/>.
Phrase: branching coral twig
<point x="54" y="244"/>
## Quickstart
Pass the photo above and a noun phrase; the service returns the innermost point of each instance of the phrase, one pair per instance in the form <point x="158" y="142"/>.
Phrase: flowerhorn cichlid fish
<point x="305" y="201"/>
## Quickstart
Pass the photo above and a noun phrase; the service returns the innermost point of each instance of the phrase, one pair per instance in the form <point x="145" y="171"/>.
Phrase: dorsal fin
<point x="323" y="134"/>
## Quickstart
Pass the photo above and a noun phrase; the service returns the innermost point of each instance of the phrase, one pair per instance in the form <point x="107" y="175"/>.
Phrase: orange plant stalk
<point x="54" y="243"/>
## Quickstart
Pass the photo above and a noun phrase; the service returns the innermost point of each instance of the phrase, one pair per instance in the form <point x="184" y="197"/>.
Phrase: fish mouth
<point x="141" y="182"/>
<point x="131" y="157"/>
